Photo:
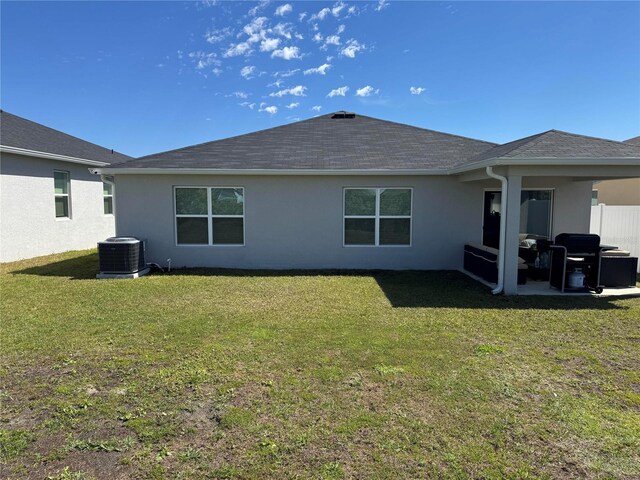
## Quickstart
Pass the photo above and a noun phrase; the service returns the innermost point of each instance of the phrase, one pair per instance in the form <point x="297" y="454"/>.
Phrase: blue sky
<point x="151" y="76"/>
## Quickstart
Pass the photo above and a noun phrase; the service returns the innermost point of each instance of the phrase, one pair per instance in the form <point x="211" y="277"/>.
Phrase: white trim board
<point x="51" y="156"/>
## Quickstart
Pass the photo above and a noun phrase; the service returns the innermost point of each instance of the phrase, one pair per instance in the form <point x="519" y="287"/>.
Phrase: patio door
<point x="536" y="207"/>
<point x="491" y="219"/>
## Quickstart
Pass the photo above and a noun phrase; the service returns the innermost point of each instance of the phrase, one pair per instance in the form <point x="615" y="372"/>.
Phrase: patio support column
<point x="512" y="235"/>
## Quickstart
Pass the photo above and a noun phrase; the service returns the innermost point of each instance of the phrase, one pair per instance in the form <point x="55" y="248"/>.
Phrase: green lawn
<point x="223" y="374"/>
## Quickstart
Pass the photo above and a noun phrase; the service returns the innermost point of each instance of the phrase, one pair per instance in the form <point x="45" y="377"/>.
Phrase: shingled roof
<point x="325" y="143"/>
<point x="21" y="133"/>
<point x="557" y="144"/>
<point x="633" y="141"/>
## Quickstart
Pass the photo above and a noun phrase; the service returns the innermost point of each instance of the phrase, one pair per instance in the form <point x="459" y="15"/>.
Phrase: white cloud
<point x="278" y="83"/>
<point x="215" y="36"/>
<point x="366" y="91"/>
<point x="255" y="26"/>
<point x="382" y="4"/>
<point x="353" y="47"/>
<point x="286" y="73"/>
<point x="216" y="71"/>
<point x="302" y="16"/>
<point x="283" y="29"/>
<point x="248" y="105"/>
<point x="416" y="90"/>
<point x="252" y="12"/>
<point x="272" y="109"/>
<point x="332" y="40"/>
<point x="321" y="70"/>
<point x="240" y="94"/>
<point x="316" y="108"/>
<point x="341" y="29"/>
<point x="322" y="14"/>
<point x="317" y="37"/>
<point x="269" y="44"/>
<point x="248" y="71"/>
<point x="204" y="60"/>
<point x="297" y="91"/>
<point x="335" y="11"/>
<point x="337" y="8"/>
<point x="238" y="49"/>
<point x="284" y="9"/>
<point x="338" y="92"/>
<point x="287" y="53"/>
<point x="293" y="105"/>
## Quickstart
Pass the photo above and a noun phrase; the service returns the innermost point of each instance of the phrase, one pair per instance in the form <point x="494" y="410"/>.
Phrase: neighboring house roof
<point x="20" y="134"/>
<point x="633" y="141"/>
<point x="557" y="144"/>
<point x="325" y="143"/>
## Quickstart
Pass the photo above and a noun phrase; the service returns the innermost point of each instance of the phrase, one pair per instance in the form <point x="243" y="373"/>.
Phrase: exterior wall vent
<point x="343" y="114"/>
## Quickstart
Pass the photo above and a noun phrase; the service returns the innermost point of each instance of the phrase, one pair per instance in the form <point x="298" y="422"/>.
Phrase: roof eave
<point x="546" y="161"/>
<point x="264" y="171"/>
<point x="492" y="162"/>
<point x="51" y="156"/>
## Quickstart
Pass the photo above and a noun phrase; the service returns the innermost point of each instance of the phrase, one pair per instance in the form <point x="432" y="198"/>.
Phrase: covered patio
<point x="537" y="188"/>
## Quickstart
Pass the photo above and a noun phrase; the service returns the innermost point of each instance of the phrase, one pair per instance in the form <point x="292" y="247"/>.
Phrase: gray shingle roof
<point x="633" y="141"/>
<point x="325" y="143"/>
<point x="19" y="132"/>
<point x="558" y="144"/>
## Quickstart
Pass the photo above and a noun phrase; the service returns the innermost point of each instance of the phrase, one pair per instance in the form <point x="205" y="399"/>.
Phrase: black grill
<point x="121" y="255"/>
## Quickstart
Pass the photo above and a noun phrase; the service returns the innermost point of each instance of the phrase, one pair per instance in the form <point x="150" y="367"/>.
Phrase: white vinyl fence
<point x="618" y="225"/>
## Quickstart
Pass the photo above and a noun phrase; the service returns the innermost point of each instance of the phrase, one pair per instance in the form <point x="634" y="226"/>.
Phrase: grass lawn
<point x="200" y="374"/>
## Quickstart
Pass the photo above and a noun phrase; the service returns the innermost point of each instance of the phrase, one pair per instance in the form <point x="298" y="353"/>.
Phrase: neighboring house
<point x="354" y="192"/>
<point x="618" y="192"/>
<point x="49" y="202"/>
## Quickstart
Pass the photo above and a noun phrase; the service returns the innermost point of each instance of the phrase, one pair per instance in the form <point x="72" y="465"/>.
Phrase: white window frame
<point x="57" y="195"/>
<point x="377" y="217"/>
<point x="543" y="189"/>
<point x="113" y="206"/>
<point x="209" y="216"/>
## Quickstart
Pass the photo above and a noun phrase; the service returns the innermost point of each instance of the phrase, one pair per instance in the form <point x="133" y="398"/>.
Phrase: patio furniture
<point x="483" y="262"/>
<point x="575" y="262"/>
<point x="618" y="269"/>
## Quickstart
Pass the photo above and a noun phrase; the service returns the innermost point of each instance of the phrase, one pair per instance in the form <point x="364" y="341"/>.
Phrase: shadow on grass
<point x="430" y="289"/>
<point x="76" y="268"/>
<point x="403" y="289"/>
<point x="450" y="289"/>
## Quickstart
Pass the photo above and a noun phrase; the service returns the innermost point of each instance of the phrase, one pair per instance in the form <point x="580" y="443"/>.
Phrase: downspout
<point x="503" y="228"/>
<point x="105" y="179"/>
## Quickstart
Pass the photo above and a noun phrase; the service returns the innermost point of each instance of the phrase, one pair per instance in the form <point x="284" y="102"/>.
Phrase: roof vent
<point x="343" y="114"/>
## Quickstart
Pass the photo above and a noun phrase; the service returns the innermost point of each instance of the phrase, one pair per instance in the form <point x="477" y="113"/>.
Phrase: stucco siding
<point x="619" y="192"/>
<point x="297" y="222"/>
<point x="28" y="224"/>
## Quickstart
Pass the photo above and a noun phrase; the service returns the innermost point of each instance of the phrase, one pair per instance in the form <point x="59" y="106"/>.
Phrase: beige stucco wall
<point x="619" y="192"/>
<point x="28" y="224"/>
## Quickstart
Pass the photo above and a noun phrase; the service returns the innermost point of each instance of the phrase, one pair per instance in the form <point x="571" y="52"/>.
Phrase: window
<point x="594" y="198"/>
<point x="536" y="208"/>
<point x="535" y="213"/>
<point x="61" y="192"/>
<point x="209" y="215"/>
<point x="107" y="194"/>
<point x="377" y="216"/>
